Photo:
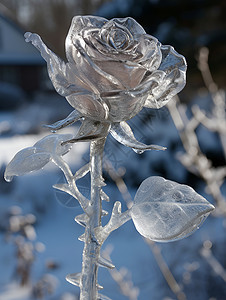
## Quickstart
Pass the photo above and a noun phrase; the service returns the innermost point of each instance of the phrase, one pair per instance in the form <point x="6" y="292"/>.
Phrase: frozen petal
<point x="96" y="78"/>
<point x="149" y="47"/>
<point x="172" y="60"/>
<point x="88" y="105"/>
<point x="73" y="117"/>
<point x="65" y="80"/>
<point x="26" y="161"/>
<point x="129" y="74"/>
<point x="170" y="78"/>
<point x="124" y="135"/>
<point x="80" y="22"/>
<point x="164" y="210"/>
<point x="135" y="28"/>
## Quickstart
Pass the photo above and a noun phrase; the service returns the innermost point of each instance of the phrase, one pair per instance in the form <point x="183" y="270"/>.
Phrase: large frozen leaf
<point x="164" y="210"/>
<point x="25" y="161"/>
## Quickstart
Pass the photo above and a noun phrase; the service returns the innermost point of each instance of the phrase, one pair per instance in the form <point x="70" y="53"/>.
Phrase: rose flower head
<point x="114" y="69"/>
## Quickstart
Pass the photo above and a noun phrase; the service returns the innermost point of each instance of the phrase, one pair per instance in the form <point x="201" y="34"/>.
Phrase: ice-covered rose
<point x="114" y="68"/>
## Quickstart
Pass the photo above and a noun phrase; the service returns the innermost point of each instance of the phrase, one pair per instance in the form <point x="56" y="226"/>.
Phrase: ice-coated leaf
<point x="36" y="157"/>
<point x="26" y="161"/>
<point x="164" y="210"/>
<point x="124" y="135"/>
<point x="74" y="278"/>
<point x="70" y="119"/>
<point x="53" y="144"/>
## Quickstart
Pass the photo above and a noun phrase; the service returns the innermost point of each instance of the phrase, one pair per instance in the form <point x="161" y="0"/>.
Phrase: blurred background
<point x="38" y="245"/>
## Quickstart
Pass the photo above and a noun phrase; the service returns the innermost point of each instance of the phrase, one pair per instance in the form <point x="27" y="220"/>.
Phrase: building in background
<point x="21" y="66"/>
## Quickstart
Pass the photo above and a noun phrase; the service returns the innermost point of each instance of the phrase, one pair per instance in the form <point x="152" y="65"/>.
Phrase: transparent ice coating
<point x="164" y="210"/>
<point x="114" y="68"/>
<point x="36" y="157"/>
<point x="124" y="135"/>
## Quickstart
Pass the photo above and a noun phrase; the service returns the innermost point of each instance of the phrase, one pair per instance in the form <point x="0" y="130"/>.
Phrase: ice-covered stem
<point x="91" y="251"/>
<point x="117" y="220"/>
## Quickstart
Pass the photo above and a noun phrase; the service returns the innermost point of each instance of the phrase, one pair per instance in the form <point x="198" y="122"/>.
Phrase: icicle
<point x="104" y="213"/>
<point x="82" y="238"/>
<point x="74" y="278"/>
<point x="81" y="219"/>
<point x="103" y="297"/>
<point x="100" y="287"/>
<point x="104" y="196"/>
<point x="105" y="263"/>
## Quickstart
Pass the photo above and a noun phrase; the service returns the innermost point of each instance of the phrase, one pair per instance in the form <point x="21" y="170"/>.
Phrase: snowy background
<point x="195" y="268"/>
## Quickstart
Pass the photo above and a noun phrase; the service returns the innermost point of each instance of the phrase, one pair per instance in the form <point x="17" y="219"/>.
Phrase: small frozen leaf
<point x="164" y="210"/>
<point x="26" y="161"/>
<point x="74" y="278"/>
<point x="53" y="144"/>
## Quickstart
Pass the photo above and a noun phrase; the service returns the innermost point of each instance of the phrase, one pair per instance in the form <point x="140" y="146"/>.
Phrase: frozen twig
<point x="193" y="159"/>
<point x="217" y="267"/>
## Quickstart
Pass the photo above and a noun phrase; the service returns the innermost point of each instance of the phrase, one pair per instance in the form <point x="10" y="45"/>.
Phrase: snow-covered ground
<point x="57" y="230"/>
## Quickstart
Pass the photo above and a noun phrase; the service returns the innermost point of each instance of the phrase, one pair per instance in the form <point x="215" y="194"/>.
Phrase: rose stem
<point x="91" y="251"/>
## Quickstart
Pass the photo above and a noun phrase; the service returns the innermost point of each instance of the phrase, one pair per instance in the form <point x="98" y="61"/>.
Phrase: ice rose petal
<point x="123" y="105"/>
<point x="135" y="28"/>
<point x="89" y="106"/>
<point x="130" y="75"/>
<point x="64" y="79"/>
<point x="170" y="78"/>
<point x="149" y="47"/>
<point x="96" y="78"/>
<point x="80" y="22"/>
<point x="172" y="60"/>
